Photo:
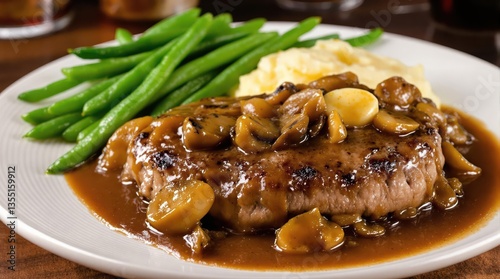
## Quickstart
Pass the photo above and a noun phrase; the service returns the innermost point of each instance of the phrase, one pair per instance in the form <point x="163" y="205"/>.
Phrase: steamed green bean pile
<point x="181" y="59"/>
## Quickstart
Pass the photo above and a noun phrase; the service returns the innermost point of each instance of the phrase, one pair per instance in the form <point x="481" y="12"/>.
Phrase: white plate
<point x="51" y="216"/>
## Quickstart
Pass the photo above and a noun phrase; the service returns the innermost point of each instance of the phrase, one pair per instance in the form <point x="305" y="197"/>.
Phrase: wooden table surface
<point x="19" y="57"/>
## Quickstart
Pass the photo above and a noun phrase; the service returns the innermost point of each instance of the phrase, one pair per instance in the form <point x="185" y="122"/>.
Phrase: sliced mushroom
<point x="357" y="107"/>
<point x="394" y="123"/>
<point x="257" y="107"/>
<point x="220" y="106"/>
<point x="281" y="94"/>
<point x="455" y="132"/>
<point x="433" y="112"/>
<point x="396" y="91"/>
<point x="117" y="145"/>
<point x="364" y="229"/>
<point x="177" y="210"/>
<point x="165" y="127"/>
<point x="456" y="160"/>
<point x="444" y="196"/>
<point x="424" y="119"/>
<point x="308" y="101"/>
<point x="206" y="132"/>
<point x="317" y="126"/>
<point x="294" y="131"/>
<point x="315" y="107"/>
<point x="329" y="83"/>
<point x="186" y="110"/>
<point x="456" y="185"/>
<point x="309" y="232"/>
<point x="254" y="134"/>
<point x="336" y="128"/>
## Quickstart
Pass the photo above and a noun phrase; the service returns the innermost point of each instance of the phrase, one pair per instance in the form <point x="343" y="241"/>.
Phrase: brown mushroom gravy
<point x="455" y="198"/>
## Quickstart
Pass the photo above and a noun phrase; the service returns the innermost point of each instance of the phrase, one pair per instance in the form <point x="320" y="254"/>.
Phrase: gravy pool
<point x="119" y="206"/>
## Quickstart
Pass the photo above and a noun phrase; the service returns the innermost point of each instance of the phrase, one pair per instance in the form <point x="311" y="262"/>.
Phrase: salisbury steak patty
<point x="286" y="164"/>
<point x="370" y="173"/>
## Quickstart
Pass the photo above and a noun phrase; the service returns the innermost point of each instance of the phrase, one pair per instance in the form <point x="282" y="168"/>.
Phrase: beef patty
<point x="370" y="173"/>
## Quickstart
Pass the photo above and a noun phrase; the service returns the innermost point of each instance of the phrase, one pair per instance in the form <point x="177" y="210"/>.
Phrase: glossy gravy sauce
<point x="119" y="206"/>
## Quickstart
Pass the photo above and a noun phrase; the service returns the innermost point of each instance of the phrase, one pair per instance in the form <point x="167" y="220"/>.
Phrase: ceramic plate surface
<point x="51" y="216"/>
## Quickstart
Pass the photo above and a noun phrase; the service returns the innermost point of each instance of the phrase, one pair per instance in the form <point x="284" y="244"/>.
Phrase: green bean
<point x="213" y="60"/>
<point x="231" y="34"/>
<point x="69" y="105"/>
<point x="176" y="97"/>
<point x="49" y="90"/>
<point x="123" y="36"/>
<point x="136" y="101"/>
<point x="105" y="68"/>
<point x="89" y="129"/>
<point x="230" y="76"/>
<point x="220" y="26"/>
<point x="366" y="39"/>
<point x="76" y="102"/>
<point x="312" y="42"/>
<point x="126" y="83"/>
<point x="71" y="133"/>
<point x="37" y="116"/>
<point x="54" y="127"/>
<point x="250" y="26"/>
<point x="216" y="42"/>
<point x="188" y="16"/>
<point x="172" y="27"/>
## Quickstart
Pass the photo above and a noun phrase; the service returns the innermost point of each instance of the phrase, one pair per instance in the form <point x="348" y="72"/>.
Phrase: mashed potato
<point x="302" y="65"/>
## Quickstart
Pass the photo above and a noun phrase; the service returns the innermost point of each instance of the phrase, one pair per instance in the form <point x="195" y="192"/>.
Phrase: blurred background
<point x="471" y="26"/>
<point x="36" y="32"/>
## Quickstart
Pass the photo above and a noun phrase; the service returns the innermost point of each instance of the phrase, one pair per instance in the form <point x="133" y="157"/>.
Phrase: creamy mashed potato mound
<point x="302" y="65"/>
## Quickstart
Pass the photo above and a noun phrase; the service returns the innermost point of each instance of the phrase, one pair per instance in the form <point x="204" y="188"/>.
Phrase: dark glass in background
<point x="318" y="5"/>
<point x="31" y="18"/>
<point x="467" y="14"/>
<point x="144" y="10"/>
